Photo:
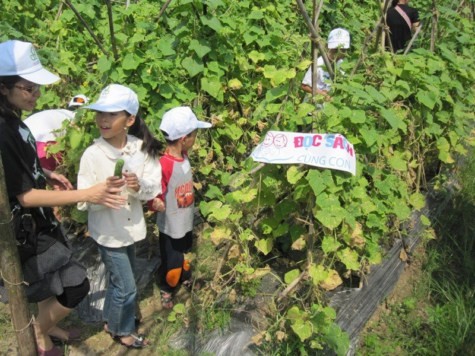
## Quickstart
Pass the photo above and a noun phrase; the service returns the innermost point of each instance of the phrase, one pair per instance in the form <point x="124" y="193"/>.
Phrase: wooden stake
<point x="368" y="39"/>
<point x="111" y="29"/>
<point x="78" y="15"/>
<point x="164" y="7"/>
<point x="316" y="38"/>
<point x="408" y="48"/>
<point x="12" y="276"/>
<point x="435" y="20"/>
<point x="316" y="14"/>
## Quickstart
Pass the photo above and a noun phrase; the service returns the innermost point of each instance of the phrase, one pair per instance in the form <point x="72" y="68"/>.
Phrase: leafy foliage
<point x="239" y="64"/>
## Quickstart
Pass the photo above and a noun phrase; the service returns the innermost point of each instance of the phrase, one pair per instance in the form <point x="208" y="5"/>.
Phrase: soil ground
<point x="404" y="288"/>
<point x="94" y="340"/>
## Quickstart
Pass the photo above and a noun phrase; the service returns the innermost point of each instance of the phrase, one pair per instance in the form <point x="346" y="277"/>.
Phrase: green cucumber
<point x="118" y="168"/>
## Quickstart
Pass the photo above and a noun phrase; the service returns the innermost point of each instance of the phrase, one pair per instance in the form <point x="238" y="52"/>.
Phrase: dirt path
<point x="94" y="340"/>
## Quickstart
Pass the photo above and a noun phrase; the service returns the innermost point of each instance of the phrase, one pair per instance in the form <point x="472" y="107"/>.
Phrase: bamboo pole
<point x="381" y="26"/>
<point x="12" y="276"/>
<point x="78" y="15"/>
<point x="162" y="10"/>
<point x="316" y="38"/>
<point x="408" y="48"/>
<point x="111" y="30"/>
<point x="368" y="40"/>
<point x="316" y="14"/>
<point x="435" y="20"/>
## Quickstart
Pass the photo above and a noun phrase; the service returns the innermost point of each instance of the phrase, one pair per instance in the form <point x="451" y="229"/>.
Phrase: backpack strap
<point x="404" y="16"/>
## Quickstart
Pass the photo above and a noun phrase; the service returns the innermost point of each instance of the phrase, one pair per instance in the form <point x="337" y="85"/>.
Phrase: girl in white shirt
<point x="125" y="136"/>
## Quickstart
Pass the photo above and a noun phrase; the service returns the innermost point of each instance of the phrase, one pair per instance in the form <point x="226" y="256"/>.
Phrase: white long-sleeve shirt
<point x="125" y="226"/>
<point x="323" y="77"/>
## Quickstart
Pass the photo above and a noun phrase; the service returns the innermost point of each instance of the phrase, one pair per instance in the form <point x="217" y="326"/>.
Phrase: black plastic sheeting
<point x="355" y="306"/>
<point x="85" y="250"/>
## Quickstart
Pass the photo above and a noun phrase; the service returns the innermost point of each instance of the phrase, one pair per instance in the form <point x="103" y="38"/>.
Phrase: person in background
<point x="54" y="279"/>
<point x="124" y="136"/>
<point x="338" y="43"/>
<point x="46" y="128"/>
<point x="175" y="206"/>
<point x="401" y="20"/>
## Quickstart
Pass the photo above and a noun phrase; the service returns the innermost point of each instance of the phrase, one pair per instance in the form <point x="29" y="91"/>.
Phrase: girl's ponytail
<point x="150" y="144"/>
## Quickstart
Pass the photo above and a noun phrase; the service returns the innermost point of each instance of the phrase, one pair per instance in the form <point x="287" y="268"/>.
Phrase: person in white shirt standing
<point x="125" y="136"/>
<point x="45" y="127"/>
<point x="338" y="43"/>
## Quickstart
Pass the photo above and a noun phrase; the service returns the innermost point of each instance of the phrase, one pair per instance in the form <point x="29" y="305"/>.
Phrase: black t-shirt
<point x="23" y="171"/>
<point x="400" y="33"/>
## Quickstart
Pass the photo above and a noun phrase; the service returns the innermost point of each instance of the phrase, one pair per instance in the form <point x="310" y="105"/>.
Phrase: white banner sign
<point x="331" y="151"/>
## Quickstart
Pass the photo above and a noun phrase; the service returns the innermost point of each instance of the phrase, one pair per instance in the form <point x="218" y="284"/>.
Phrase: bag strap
<point x="404" y="16"/>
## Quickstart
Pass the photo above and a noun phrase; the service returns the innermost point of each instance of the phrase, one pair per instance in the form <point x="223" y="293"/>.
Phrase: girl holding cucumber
<point x="126" y="157"/>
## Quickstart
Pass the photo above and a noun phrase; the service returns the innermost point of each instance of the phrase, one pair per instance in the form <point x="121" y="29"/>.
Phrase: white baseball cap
<point x="116" y="97"/>
<point x="78" y="100"/>
<point x="20" y="58"/>
<point x="179" y="122"/>
<point x="339" y="38"/>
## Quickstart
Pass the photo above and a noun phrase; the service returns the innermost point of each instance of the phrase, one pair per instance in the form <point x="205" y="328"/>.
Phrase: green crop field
<point x="239" y="65"/>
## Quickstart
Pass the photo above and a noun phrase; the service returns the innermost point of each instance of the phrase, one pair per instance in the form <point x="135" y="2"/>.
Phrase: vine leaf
<point x="265" y="245"/>
<point x="349" y="258"/>
<point x="332" y="281"/>
<point x="290" y="276"/>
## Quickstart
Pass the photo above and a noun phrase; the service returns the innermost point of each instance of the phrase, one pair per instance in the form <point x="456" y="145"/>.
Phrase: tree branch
<point x="162" y="10"/>
<point x="78" y="15"/>
<point x="111" y="29"/>
<point x="316" y="38"/>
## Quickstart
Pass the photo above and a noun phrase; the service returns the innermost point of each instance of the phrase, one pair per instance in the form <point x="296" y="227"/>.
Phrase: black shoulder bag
<point x="24" y="227"/>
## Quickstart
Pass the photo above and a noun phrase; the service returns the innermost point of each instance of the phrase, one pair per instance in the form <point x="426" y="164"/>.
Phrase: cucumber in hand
<point x="118" y="168"/>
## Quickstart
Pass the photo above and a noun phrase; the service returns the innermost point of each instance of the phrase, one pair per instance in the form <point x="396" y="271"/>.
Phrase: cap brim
<point x="42" y="77"/>
<point x="203" y="125"/>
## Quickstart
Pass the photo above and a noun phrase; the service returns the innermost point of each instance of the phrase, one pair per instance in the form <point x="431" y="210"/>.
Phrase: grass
<point x="438" y="317"/>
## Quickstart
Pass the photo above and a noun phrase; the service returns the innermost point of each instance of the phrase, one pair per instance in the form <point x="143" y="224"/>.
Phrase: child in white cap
<point x="338" y="43"/>
<point x="46" y="129"/>
<point x="124" y="136"/>
<point x="53" y="278"/>
<point x="175" y="205"/>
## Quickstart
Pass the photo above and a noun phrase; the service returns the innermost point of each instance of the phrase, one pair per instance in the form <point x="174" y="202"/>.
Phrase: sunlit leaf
<point x="290" y="276"/>
<point x="265" y="245"/>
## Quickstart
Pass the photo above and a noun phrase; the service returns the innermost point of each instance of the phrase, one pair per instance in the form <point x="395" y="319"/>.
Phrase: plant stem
<point x="111" y="29"/>
<point x="316" y="38"/>
<point x="78" y="15"/>
<point x="435" y="20"/>
<point x="162" y="10"/>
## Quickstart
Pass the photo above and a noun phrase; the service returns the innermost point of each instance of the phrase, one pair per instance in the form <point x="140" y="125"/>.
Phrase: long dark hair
<point x="394" y="3"/>
<point x="150" y="144"/>
<point x="5" y="107"/>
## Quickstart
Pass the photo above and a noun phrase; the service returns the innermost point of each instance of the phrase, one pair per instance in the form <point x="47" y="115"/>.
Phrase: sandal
<point x="167" y="299"/>
<point x="139" y="341"/>
<point x="106" y="327"/>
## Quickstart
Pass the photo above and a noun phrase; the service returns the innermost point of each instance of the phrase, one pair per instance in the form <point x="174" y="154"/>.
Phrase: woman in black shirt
<point x="401" y="20"/>
<point x="55" y="280"/>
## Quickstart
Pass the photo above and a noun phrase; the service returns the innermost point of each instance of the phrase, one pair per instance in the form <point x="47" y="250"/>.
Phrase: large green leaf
<point x="213" y="86"/>
<point x="193" y="66"/>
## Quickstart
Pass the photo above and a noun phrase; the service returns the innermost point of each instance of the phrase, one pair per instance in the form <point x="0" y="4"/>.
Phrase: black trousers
<point x="174" y="269"/>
